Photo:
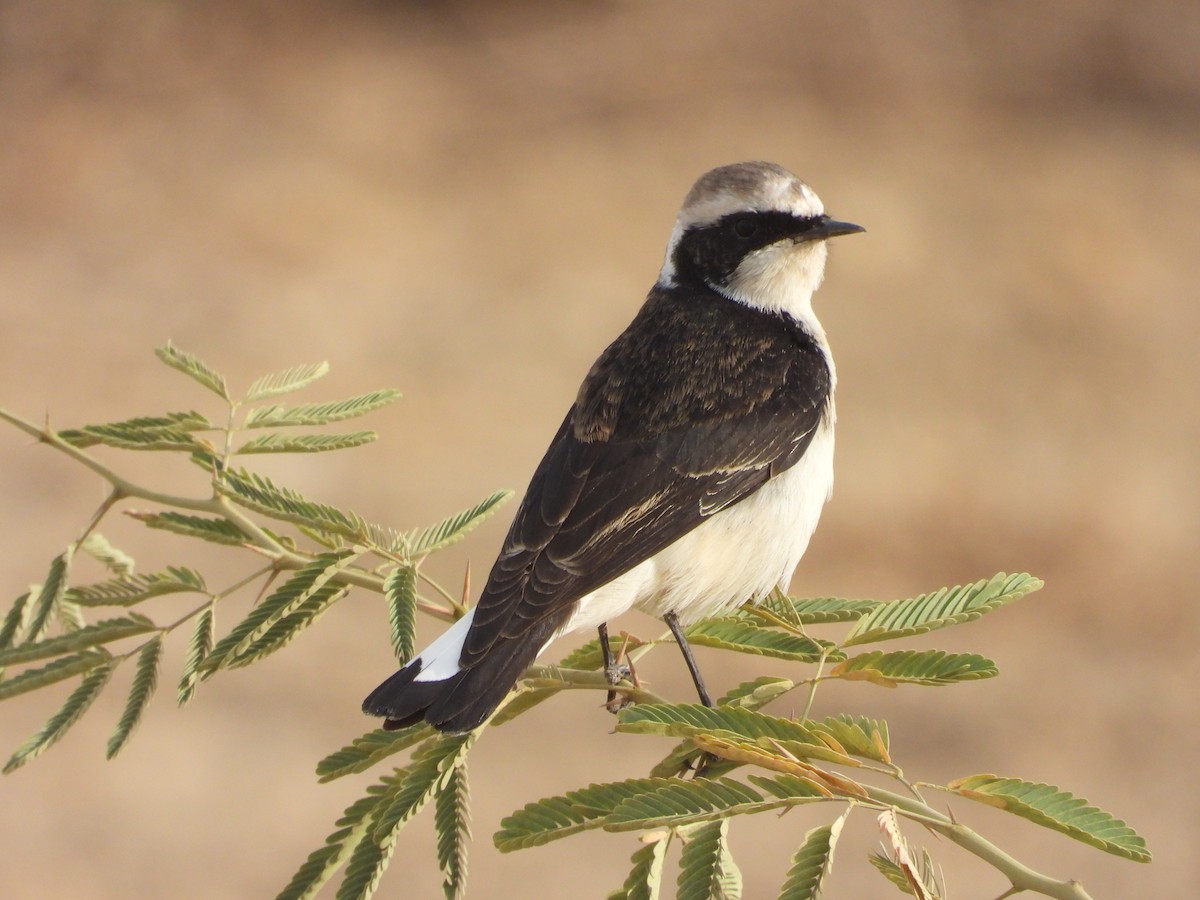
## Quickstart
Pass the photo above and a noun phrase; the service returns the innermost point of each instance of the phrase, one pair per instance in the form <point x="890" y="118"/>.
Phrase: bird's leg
<point x="672" y="621"/>
<point x="614" y="672"/>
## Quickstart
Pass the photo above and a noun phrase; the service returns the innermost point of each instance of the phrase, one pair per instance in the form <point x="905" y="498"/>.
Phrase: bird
<point x="689" y="473"/>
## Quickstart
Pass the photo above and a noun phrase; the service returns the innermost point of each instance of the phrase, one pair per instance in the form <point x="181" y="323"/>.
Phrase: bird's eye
<point x="745" y="227"/>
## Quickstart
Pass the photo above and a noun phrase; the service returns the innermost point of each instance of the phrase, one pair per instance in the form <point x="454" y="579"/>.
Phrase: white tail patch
<point x="439" y="660"/>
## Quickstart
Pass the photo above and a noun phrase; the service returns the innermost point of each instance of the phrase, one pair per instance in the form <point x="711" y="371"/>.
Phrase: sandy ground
<point x="467" y="201"/>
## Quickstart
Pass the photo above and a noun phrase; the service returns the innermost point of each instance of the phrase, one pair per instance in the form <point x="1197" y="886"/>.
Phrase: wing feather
<point x="693" y="408"/>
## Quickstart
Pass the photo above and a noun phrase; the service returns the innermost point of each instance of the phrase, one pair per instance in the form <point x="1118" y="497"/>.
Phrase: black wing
<point x="693" y="408"/>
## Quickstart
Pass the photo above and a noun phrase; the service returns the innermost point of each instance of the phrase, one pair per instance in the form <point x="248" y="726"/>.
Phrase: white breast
<point x="741" y="553"/>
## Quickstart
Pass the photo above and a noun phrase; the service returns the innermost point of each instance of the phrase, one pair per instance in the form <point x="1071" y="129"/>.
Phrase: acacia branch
<point x="257" y="538"/>
<point x="1020" y="876"/>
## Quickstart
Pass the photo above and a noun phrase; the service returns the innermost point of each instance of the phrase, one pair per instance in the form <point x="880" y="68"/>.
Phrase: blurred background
<point x="467" y="201"/>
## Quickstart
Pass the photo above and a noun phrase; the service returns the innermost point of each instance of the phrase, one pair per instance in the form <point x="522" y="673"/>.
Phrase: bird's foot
<point x="620" y="669"/>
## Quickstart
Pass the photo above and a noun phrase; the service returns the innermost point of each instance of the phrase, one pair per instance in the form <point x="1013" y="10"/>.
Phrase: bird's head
<point x="755" y="233"/>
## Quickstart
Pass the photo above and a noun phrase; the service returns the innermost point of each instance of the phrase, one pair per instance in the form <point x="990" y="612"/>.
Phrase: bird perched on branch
<point x="689" y="473"/>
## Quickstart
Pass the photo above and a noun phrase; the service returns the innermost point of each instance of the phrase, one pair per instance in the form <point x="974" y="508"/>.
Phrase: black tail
<point x="463" y="701"/>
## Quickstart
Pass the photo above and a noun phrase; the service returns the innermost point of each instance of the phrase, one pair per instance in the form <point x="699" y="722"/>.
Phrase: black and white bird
<point x="689" y="474"/>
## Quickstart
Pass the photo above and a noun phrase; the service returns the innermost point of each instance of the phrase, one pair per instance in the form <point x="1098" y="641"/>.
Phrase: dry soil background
<point x="467" y="201"/>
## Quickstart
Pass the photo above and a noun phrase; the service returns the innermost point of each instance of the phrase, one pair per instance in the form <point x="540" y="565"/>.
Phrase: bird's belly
<point x="741" y="553"/>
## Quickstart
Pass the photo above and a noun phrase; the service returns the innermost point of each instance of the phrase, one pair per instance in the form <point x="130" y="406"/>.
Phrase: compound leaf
<point x="145" y="679"/>
<point x="171" y="431"/>
<point x="194" y="368"/>
<point x="49" y="596"/>
<point x="87" y="637"/>
<point x="732" y="633"/>
<point x="351" y="828"/>
<point x="400" y="589"/>
<point x="320" y="413"/>
<point x="706" y="870"/>
<point x="812" y="862"/>
<point x="365" y="751"/>
<point x="452" y="820"/>
<point x="815" y="610"/>
<point x="1057" y="809"/>
<point x="422" y="542"/>
<point x="931" y="667"/>
<point x="941" y="609"/>
<point x="680" y="802"/>
<point x="305" y="443"/>
<point x="133" y="589"/>
<point x="217" y="531"/>
<point x="77" y="704"/>
<point x="258" y="493"/>
<point x="199" y="646"/>
<point x="557" y="817"/>
<point x="285" y="382"/>
<point x="61" y="669"/>
<point x="645" y="878"/>
<point x="429" y="772"/>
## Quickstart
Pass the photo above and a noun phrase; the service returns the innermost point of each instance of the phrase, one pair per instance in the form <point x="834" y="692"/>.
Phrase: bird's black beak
<point x="824" y="228"/>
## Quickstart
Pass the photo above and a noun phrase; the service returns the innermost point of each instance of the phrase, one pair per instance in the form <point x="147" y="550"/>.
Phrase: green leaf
<point x="812" y="863"/>
<point x="816" y="610"/>
<point x="199" y="646"/>
<point x="287" y="627"/>
<point x="115" y="560"/>
<point x="680" y="802"/>
<point x="429" y="772"/>
<point x="285" y="382"/>
<point x="645" y="878"/>
<point x="15" y="621"/>
<point x="796" y="789"/>
<point x="311" y="581"/>
<point x="892" y="872"/>
<point x="557" y="817"/>
<point x="529" y="694"/>
<point x="729" y="876"/>
<point x="193" y="367"/>
<point x="930" y="667"/>
<point x="400" y="588"/>
<point x="364" y="752"/>
<point x="452" y="820"/>
<point x="59" y="670"/>
<point x="145" y="679"/>
<point x="217" y="531"/>
<point x="70" y="615"/>
<point x="132" y="590"/>
<point x="1056" y="809"/>
<point x="49" y="596"/>
<point x="256" y="492"/>
<point x="757" y="693"/>
<point x="704" y="865"/>
<point x="320" y="413"/>
<point x="855" y="736"/>
<point x="77" y="704"/>
<point x="423" y="542"/>
<point x="89" y="636"/>
<point x="305" y="443"/>
<point x="144" y="433"/>
<point x="368" y="858"/>
<point x="747" y="695"/>
<point x="737" y="634"/>
<point x="686" y="719"/>
<point x="351" y="828"/>
<point x="941" y="609"/>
